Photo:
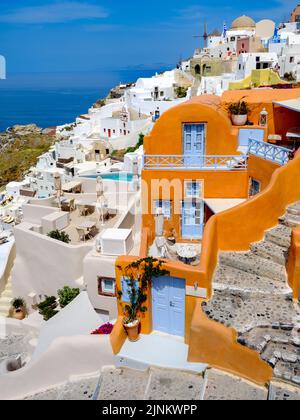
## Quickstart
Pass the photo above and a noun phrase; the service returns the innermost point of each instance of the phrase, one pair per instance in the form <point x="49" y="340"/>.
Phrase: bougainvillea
<point x="105" y="329"/>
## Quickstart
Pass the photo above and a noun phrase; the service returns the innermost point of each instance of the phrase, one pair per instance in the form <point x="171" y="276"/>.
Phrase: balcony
<point x="203" y="163"/>
<point x="276" y="154"/>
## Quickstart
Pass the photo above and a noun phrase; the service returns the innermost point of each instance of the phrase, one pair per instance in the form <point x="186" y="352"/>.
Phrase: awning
<point x="292" y="104"/>
<point x="71" y="185"/>
<point x="217" y="205"/>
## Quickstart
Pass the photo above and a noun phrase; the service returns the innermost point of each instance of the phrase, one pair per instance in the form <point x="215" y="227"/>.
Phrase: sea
<point x="51" y="99"/>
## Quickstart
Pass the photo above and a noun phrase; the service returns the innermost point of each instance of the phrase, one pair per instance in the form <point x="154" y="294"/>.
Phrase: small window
<point x="255" y="187"/>
<point x="106" y="286"/>
<point x="193" y="189"/>
<point x="257" y="59"/>
<point x="292" y="59"/>
<point x="165" y="205"/>
<point x="161" y="93"/>
<point x="232" y="39"/>
<point x="104" y="130"/>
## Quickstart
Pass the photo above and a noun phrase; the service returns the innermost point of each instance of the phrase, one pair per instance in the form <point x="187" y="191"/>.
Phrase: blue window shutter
<point x="125" y="294"/>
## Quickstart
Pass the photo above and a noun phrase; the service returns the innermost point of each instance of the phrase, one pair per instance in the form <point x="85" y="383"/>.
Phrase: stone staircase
<point x="195" y="87"/>
<point x="251" y="294"/>
<point x="5" y="299"/>
<point x="113" y="384"/>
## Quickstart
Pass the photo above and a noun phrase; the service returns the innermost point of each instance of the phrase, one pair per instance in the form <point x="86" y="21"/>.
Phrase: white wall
<point x="44" y="265"/>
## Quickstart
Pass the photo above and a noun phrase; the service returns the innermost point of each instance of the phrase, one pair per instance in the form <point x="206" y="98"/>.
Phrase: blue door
<point x="168" y="305"/>
<point x="193" y="144"/>
<point x="192" y="219"/>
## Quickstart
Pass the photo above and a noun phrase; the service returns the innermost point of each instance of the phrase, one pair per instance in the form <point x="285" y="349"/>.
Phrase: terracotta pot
<point x="19" y="313"/>
<point x="133" y="331"/>
<point x="239" y="120"/>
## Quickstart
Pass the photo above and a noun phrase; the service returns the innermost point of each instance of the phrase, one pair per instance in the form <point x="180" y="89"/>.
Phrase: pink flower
<point x="105" y="329"/>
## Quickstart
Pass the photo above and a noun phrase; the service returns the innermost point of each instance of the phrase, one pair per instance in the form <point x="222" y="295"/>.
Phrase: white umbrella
<point x="100" y="197"/>
<point x="159" y="223"/>
<point x="58" y="187"/>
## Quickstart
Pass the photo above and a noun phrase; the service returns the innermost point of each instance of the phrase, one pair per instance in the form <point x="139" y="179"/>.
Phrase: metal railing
<point x="267" y="151"/>
<point x="203" y="163"/>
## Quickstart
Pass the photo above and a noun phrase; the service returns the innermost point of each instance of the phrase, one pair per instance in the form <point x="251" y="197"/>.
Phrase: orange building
<point x="200" y="172"/>
<point x="295" y="16"/>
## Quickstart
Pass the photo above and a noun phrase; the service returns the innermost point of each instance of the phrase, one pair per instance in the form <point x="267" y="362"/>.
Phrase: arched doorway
<point x="197" y="69"/>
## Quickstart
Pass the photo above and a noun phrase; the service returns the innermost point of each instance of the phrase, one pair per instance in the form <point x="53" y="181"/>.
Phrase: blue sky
<point x="72" y="35"/>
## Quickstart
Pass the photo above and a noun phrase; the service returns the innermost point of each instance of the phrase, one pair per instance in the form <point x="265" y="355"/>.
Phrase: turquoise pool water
<point x="116" y="176"/>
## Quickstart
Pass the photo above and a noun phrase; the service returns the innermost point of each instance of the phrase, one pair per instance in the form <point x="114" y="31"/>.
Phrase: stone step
<point x="225" y="387"/>
<point x="280" y="235"/>
<point x="230" y="278"/>
<point x="245" y="311"/>
<point x="122" y="384"/>
<point x="290" y="221"/>
<point x="170" y="385"/>
<point x="294" y="209"/>
<point x="251" y="263"/>
<point x="270" y="251"/>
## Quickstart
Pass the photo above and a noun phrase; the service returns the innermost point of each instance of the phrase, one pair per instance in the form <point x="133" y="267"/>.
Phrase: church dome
<point x="243" y="22"/>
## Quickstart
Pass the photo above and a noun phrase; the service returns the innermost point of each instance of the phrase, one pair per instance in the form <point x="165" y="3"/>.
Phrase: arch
<point x="197" y="69"/>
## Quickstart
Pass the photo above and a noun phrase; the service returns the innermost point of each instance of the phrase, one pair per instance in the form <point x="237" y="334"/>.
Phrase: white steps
<point x="5" y="299"/>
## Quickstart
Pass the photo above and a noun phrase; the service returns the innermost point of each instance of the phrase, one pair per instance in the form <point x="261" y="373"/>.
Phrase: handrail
<point x="277" y="154"/>
<point x="194" y="162"/>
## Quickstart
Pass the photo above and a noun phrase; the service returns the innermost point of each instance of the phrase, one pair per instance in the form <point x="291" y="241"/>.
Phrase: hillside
<point x="19" y="150"/>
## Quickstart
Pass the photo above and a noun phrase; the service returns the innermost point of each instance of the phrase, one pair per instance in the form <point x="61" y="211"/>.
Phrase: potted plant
<point x="138" y="277"/>
<point x="239" y="113"/>
<point x="18" y="309"/>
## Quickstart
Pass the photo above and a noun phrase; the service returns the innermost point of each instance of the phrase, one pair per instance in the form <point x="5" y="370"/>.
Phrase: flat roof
<point x="70" y="185"/>
<point x="217" y="205"/>
<point x="292" y="104"/>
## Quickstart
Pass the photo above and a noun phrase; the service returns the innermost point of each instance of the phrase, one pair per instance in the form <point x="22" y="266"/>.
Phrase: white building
<point x="255" y="61"/>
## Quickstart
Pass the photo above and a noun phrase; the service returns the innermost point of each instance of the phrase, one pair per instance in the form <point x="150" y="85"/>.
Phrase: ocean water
<point x="54" y="99"/>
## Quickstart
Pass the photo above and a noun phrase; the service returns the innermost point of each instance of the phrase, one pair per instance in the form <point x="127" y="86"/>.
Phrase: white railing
<point x="267" y="151"/>
<point x="203" y="163"/>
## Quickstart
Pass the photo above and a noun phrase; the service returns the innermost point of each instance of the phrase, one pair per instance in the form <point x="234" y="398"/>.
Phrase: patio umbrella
<point x="58" y="187"/>
<point x="100" y="197"/>
<point x="159" y="223"/>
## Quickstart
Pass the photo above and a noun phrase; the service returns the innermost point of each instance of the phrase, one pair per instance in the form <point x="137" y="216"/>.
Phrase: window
<point x="193" y="189"/>
<point x="255" y="187"/>
<point x="292" y="59"/>
<point x="161" y="93"/>
<point x="104" y="130"/>
<point x="257" y="59"/>
<point x="232" y="39"/>
<point x="165" y="205"/>
<point x="106" y="286"/>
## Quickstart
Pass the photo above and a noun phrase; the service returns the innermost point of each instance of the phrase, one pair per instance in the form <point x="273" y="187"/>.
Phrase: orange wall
<point x="279" y="119"/>
<point x="261" y="170"/>
<point x="218" y="184"/>
<point x="293" y="266"/>
<point x="216" y="345"/>
<point x="179" y="270"/>
<point x="166" y="136"/>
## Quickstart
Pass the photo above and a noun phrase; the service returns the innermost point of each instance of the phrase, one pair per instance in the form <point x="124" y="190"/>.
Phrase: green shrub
<point x="239" y="108"/>
<point x="47" y="308"/>
<point x="67" y="295"/>
<point x="60" y="236"/>
<point x="18" y="303"/>
<point x="181" y="92"/>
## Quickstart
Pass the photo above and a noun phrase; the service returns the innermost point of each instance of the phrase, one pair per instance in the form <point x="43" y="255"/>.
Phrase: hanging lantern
<point x="263" y="118"/>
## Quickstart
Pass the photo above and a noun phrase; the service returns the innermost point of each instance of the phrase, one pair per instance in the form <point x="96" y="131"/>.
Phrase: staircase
<point x="123" y="384"/>
<point x="251" y="294"/>
<point x="195" y="87"/>
<point x="5" y="299"/>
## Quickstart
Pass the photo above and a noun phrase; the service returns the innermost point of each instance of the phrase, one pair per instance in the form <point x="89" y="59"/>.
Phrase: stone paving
<point x="280" y="391"/>
<point x="251" y="295"/>
<point x="14" y="346"/>
<point x="222" y="386"/>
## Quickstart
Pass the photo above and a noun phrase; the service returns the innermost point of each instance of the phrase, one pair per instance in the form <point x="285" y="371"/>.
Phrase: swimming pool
<point x="113" y="176"/>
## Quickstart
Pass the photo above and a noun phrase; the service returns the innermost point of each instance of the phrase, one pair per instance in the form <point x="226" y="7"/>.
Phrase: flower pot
<point x="19" y="313"/>
<point x="133" y="330"/>
<point x="239" y="120"/>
